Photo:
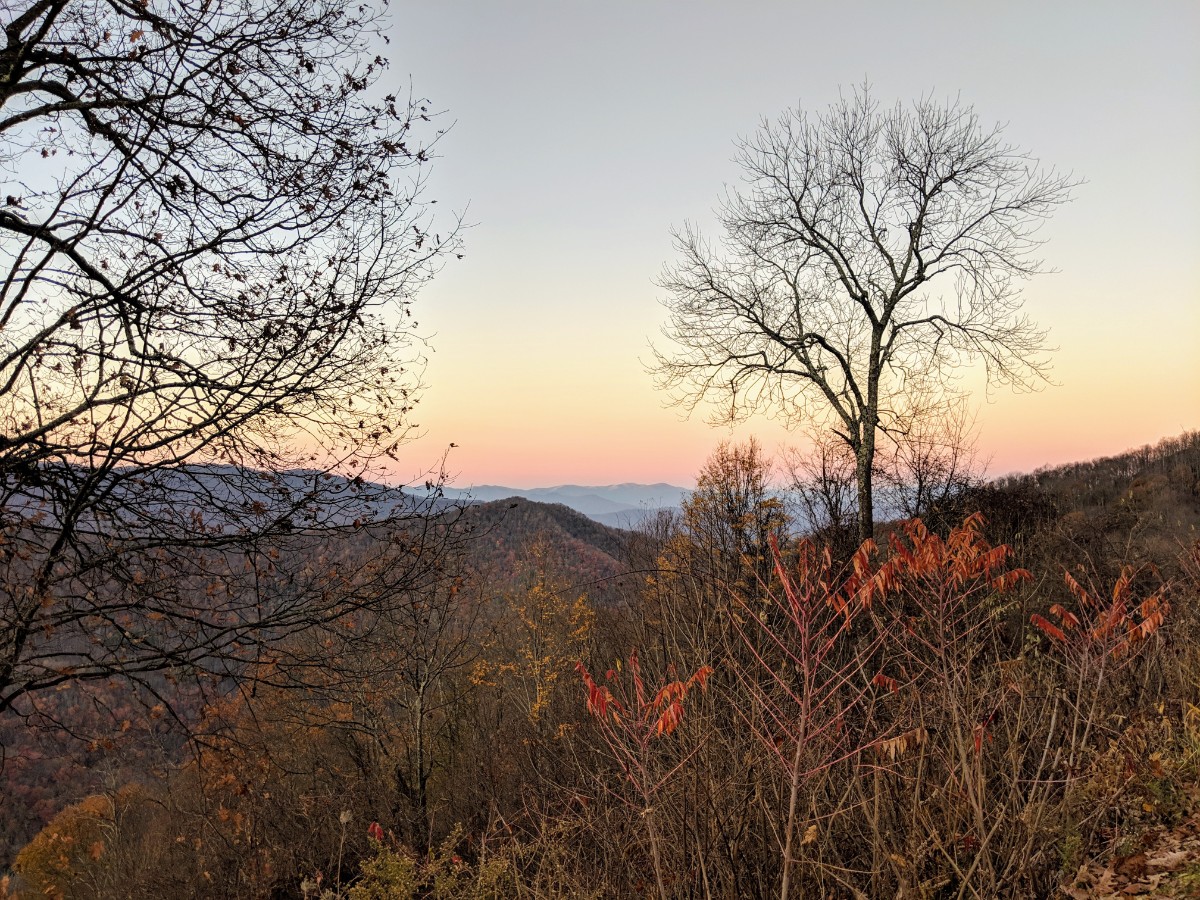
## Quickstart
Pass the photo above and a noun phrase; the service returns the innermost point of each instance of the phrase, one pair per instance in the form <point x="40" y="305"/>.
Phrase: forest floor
<point x="1161" y="862"/>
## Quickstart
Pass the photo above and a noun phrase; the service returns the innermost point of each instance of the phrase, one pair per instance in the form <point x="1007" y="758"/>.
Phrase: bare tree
<point x="211" y="233"/>
<point x="868" y="253"/>
<point x="820" y="483"/>
<point x="932" y="463"/>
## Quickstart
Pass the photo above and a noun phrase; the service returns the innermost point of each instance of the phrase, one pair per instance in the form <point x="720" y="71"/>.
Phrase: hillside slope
<point x="505" y="529"/>
<point x="1138" y="507"/>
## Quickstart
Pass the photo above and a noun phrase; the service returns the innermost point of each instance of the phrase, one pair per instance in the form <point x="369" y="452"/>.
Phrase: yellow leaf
<point x="810" y="835"/>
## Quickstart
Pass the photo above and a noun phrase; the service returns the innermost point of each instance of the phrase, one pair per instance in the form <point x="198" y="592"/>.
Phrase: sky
<point x="581" y="133"/>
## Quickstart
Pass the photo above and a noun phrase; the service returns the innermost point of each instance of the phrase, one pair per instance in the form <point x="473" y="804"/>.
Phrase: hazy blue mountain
<point x="226" y="498"/>
<point x="612" y="504"/>
<point x="632" y="518"/>
<point x="226" y="494"/>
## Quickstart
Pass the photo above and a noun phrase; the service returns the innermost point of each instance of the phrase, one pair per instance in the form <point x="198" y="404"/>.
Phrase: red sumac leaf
<point x="886" y="681"/>
<point x="1048" y="627"/>
<point x="1068" y="618"/>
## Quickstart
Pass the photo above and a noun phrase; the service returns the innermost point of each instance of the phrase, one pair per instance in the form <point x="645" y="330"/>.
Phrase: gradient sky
<point x="583" y="131"/>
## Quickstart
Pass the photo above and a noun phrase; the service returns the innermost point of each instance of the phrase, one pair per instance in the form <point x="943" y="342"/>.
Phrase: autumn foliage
<point x="631" y="720"/>
<point x="1115" y="624"/>
<point x="931" y="714"/>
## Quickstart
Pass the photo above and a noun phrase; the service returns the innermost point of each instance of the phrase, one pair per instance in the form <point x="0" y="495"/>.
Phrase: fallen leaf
<point x="1168" y="861"/>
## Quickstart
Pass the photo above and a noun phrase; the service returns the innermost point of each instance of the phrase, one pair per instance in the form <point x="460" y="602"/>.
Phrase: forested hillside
<point x="1136" y="508"/>
<point x="93" y="736"/>
<point x="504" y="529"/>
<point x="706" y="706"/>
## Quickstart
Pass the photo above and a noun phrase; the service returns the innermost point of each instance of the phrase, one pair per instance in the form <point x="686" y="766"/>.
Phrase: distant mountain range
<point x="620" y="505"/>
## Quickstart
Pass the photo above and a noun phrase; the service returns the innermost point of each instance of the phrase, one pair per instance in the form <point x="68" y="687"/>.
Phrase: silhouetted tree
<point x="868" y="253"/>
<point x="212" y="233"/>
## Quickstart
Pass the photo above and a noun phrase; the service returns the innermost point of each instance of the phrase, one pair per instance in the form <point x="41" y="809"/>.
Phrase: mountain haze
<point x="615" y="504"/>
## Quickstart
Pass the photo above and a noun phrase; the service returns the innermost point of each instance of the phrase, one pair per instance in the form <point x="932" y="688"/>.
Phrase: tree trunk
<point x="793" y="795"/>
<point x="865" y="459"/>
<point x="421" y="825"/>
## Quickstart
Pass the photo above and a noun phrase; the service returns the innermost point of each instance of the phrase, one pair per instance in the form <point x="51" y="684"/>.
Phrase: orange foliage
<point x="637" y="715"/>
<point x="954" y="565"/>
<point x="73" y="841"/>
<point x="1114" y="626"/>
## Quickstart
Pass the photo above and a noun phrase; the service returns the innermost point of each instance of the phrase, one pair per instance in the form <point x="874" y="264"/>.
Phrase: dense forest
<point x="713" y="705"/>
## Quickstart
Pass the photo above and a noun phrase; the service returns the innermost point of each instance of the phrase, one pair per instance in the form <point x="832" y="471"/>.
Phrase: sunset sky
<point x="582" y="132"/>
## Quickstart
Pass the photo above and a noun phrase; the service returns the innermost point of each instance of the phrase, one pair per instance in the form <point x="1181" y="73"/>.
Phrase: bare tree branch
<point x="211" y="232"/>
<point x="828" y="299"/>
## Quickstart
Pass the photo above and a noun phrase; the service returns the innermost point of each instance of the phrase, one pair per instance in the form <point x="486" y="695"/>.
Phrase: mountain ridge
<point x="610" y="504"/>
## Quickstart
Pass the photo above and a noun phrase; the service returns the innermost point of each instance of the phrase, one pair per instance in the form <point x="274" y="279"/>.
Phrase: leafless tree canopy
<point x="868" y="253"/>
<point x="211" y="230"/>
<point x="821" y="483"/>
